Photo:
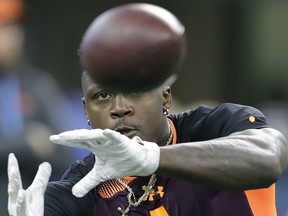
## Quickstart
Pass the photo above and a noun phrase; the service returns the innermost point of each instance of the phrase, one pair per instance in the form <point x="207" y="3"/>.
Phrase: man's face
<point x="135" y="114"/>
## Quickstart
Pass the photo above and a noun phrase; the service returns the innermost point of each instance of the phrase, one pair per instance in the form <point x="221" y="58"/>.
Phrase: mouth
<point x="127" y="131"/>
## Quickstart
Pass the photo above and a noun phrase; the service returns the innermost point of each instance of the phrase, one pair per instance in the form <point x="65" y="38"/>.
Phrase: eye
<point x="103" y="96"/>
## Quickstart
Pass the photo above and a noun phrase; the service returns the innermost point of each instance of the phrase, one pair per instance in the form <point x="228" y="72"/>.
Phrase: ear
<point x="84" y="107"/>
<point x="167" y="97"/>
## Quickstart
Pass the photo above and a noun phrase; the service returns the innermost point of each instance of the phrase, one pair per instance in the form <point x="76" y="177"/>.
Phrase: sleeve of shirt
<point x="59" y="200"/>
<point x="228" y="118"/>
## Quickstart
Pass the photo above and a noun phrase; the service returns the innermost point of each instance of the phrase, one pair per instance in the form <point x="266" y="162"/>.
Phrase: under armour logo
<point x="159" y="191"/>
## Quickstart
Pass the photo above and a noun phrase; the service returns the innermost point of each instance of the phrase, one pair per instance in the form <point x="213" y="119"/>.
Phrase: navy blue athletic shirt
<point x="171" y="197"/>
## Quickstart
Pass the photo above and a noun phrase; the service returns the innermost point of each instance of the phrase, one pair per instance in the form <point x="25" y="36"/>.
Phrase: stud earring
<point x="166" y="111"/>
<point x="88" y="122"/>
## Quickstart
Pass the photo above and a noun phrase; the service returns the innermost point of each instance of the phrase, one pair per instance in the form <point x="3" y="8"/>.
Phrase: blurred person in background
<point x="32" y="106"/>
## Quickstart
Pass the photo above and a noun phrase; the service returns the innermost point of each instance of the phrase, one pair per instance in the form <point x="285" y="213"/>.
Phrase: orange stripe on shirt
<point x="262" y="201"/>
<point x="174" y="139"/>
<point x="161" y="211"/>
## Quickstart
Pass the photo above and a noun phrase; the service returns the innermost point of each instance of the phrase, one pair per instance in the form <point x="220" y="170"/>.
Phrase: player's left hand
<point x="116" y="156"/>
<point x="29" y="202"/>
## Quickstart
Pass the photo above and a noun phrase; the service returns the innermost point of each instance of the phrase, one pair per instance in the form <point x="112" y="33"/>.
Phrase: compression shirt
<point x="171" y="196"/>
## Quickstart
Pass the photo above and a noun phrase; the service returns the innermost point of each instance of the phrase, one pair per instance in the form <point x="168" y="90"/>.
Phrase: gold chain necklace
<point x="147" y="189"/>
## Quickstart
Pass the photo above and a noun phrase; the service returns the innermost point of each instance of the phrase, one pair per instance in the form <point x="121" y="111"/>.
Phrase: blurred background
<point x="237" y="52"/>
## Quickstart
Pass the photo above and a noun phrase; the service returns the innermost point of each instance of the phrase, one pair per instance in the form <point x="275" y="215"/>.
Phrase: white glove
<point x="116" y="156"/>
<point x="28" y="202"/>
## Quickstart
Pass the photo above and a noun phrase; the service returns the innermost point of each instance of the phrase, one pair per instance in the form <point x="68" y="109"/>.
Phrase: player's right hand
<point x="116" y="156"/>
<point x="29" y="202"/>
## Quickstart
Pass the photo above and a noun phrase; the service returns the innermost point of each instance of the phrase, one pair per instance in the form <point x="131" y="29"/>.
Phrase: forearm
<point x="245" y="160"/>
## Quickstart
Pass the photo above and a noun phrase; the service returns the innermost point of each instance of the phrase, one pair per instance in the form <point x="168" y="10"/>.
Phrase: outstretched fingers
<point x="14" y="178"/>
<point x="113" y="135"/>
<point x="41" y="179"/>
<point x="86" y="184"/>
<point x="16" y="194"/>
<point x="81" y="138"/>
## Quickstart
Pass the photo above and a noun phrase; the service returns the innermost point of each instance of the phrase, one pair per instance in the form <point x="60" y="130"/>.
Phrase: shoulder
<point x="204" y="122"/>
<point x="191" y="115"/>
<point x="236" y="109"/>
<point x="237" y="117"/>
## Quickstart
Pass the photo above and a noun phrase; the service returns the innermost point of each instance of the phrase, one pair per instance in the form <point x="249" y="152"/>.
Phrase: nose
<point x="121" y="107"/>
